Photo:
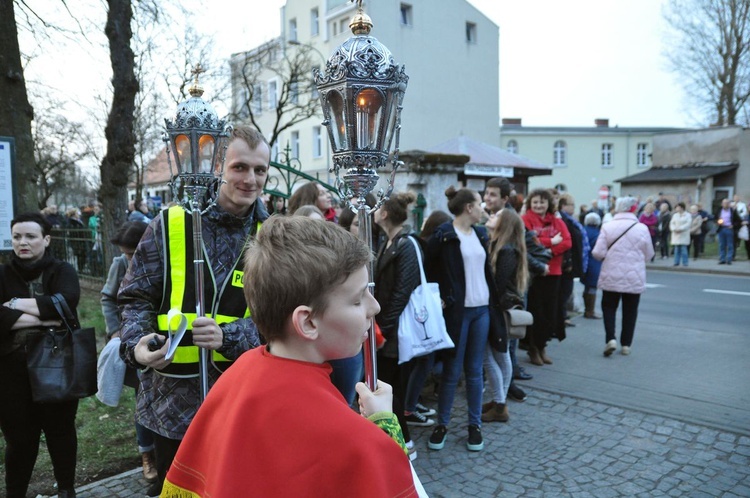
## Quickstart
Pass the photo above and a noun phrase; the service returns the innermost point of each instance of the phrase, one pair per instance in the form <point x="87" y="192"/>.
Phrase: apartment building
<point x="450" y="53"/>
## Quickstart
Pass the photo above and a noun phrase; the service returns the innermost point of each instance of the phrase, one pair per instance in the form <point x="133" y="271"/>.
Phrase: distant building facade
<point x="583" y="159"/>
<point x="697" y="166"/>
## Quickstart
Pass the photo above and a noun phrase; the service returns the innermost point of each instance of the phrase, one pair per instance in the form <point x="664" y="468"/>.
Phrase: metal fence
<point x="83" y="250"/>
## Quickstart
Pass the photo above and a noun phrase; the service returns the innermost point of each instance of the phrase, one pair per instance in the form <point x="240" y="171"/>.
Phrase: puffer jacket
<point x="679" y="225"/>
<point x="624" y="263"/>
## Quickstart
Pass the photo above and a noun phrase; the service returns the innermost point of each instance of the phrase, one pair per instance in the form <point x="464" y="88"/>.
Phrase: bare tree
<point x="117" y="163"/>
<point x="59" y="146"/>
<point x="710" y="51"/>
<point x="291" y="68"/>
<point x="15" y="111"/>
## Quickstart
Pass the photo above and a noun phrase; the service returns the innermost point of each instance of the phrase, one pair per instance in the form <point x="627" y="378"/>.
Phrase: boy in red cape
<point x="274" y="425"/>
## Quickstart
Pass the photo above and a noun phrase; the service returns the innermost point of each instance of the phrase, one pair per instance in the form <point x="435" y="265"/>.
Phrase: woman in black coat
<point x="510" y="273"/>
<point x="29" y="281"/>
<point x="396" y="277"/>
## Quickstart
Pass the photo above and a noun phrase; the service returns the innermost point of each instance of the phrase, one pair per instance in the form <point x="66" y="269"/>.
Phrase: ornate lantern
<point x="361" y="92"/>
<point x="198" y="140"/>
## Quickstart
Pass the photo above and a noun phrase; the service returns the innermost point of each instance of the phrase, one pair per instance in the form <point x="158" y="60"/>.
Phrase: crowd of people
<point x="288" y="306"/>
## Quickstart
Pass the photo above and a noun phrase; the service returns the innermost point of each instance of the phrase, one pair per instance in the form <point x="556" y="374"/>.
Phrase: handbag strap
<point x="620" y="236"/>
<point x="419" y="259"/>
<point x="58" y="300"/>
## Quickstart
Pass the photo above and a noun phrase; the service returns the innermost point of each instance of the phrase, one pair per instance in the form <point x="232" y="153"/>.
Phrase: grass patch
<point x="106" y="435"/>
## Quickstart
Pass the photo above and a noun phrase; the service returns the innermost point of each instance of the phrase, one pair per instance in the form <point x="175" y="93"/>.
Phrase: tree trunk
<point x="118" y="161"/>
<point x="15" y="111"/>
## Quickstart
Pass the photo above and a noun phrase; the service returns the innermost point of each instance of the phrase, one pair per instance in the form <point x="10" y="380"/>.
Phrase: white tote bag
<point x="421" y="326"/>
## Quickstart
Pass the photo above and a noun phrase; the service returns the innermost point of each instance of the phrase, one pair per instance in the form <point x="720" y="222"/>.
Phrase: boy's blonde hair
<point x="296" y="261"/>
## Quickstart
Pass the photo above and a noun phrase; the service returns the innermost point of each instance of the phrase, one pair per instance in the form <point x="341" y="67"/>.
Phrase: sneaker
<point x="625" y="350"/>
<point x="418" y="420"/>
<point x="475" y="442"/>
<point x="427" y="412"/>
<point x="516" y="393"/>
<point x="521" y="374"/>
<point x="437" y="440"/>
<point x="411" y="451"/>
<point x="610" y="347"/>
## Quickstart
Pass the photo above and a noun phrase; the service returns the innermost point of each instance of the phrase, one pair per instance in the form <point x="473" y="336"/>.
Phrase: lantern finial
<point x="361" y="24"/>
<point x="196" y="90"/>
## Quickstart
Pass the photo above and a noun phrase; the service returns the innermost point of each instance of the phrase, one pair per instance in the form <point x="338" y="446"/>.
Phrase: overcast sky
<point x="561" y="63"/>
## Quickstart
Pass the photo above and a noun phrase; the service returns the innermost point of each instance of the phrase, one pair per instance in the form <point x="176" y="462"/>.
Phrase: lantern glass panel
<point x="391" y="126"/>
<point x="206" y="153"/>
<point x="337" y="111"/>
<point x="369" y="116"/>
<point x="182" y="147"/>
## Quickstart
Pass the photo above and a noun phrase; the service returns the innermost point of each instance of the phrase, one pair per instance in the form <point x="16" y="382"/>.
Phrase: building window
<point x="471" y="32"/>
<point x="559" y="153"/>
<point x="292" y="29"/>
<point x="406" y="19"/>
<point x="243" y="103"/>
<point x="317" y="141"/>
<point x="257" y="103"/>
<point x="513" y="147"/>
<point x="641" y="155"/>
<point x="606" y="155"/>
<point x="295" y="144"/>
<point x="314" y="20"/>
<point x="273" y="98"/>
<point x="294" y="92"/>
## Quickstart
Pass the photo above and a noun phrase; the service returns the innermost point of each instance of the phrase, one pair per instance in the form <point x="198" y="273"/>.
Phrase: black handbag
<point x="61" y="362"/>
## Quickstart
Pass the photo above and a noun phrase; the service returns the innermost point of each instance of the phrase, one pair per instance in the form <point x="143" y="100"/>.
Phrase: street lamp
<point x="361" y="92"/>
<point x="198" y="140"/>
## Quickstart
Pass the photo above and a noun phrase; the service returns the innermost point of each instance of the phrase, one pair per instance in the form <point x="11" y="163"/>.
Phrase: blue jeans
<point x="346" y="373"/>
<point x="726" y="244"/>
<point x="681" y="252"/>
<point x="499" y="371"/>
<point x="469" y="355"/>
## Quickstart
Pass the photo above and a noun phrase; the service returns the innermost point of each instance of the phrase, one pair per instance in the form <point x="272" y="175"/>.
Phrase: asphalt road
<point x="689" y="358"/>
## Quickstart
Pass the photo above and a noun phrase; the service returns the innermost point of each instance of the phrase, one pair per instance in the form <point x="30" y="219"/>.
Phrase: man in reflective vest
<point x="161" y="278"/>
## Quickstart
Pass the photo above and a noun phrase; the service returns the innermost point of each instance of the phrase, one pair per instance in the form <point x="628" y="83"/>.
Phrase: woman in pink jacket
<point x="624" y="246"/>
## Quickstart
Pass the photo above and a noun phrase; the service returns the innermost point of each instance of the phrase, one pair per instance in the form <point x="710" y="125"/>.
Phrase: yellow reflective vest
<point x="224" y="303"/>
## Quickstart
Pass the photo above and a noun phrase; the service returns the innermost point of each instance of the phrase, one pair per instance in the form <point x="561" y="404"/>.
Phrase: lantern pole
<point x="361" y="92"/>
<point x="198" y="138"/>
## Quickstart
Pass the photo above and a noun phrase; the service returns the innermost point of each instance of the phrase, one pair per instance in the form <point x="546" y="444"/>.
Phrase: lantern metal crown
<point x="198" y="139"/>
<point x="361" y="92"/>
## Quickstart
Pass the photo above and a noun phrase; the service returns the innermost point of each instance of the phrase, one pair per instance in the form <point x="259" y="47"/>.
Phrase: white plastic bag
<point x="743" y="233"/>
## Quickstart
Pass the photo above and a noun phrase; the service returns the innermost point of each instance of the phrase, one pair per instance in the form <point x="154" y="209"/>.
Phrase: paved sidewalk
<point x="562" y="446"/>
<point x="740" y="268"/>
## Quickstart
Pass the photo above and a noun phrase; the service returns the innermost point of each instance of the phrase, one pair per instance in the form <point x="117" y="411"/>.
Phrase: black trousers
<point x="390" y="372"/>
<point x="610" y="302"/>
<point x="165" y="450"/>
<point x="22" y="422"/>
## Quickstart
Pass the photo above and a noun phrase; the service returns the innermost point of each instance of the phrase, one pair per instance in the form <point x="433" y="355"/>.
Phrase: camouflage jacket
<point x="166" y="405"/>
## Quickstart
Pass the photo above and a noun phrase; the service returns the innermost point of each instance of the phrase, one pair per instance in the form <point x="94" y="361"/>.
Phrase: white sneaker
<point x="625" y="350"/>
<point x="411" y="450"/>
<point x="610" y="347"/>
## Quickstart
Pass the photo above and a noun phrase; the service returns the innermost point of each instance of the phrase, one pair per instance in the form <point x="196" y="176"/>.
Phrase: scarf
<point x="30" y="270"/>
